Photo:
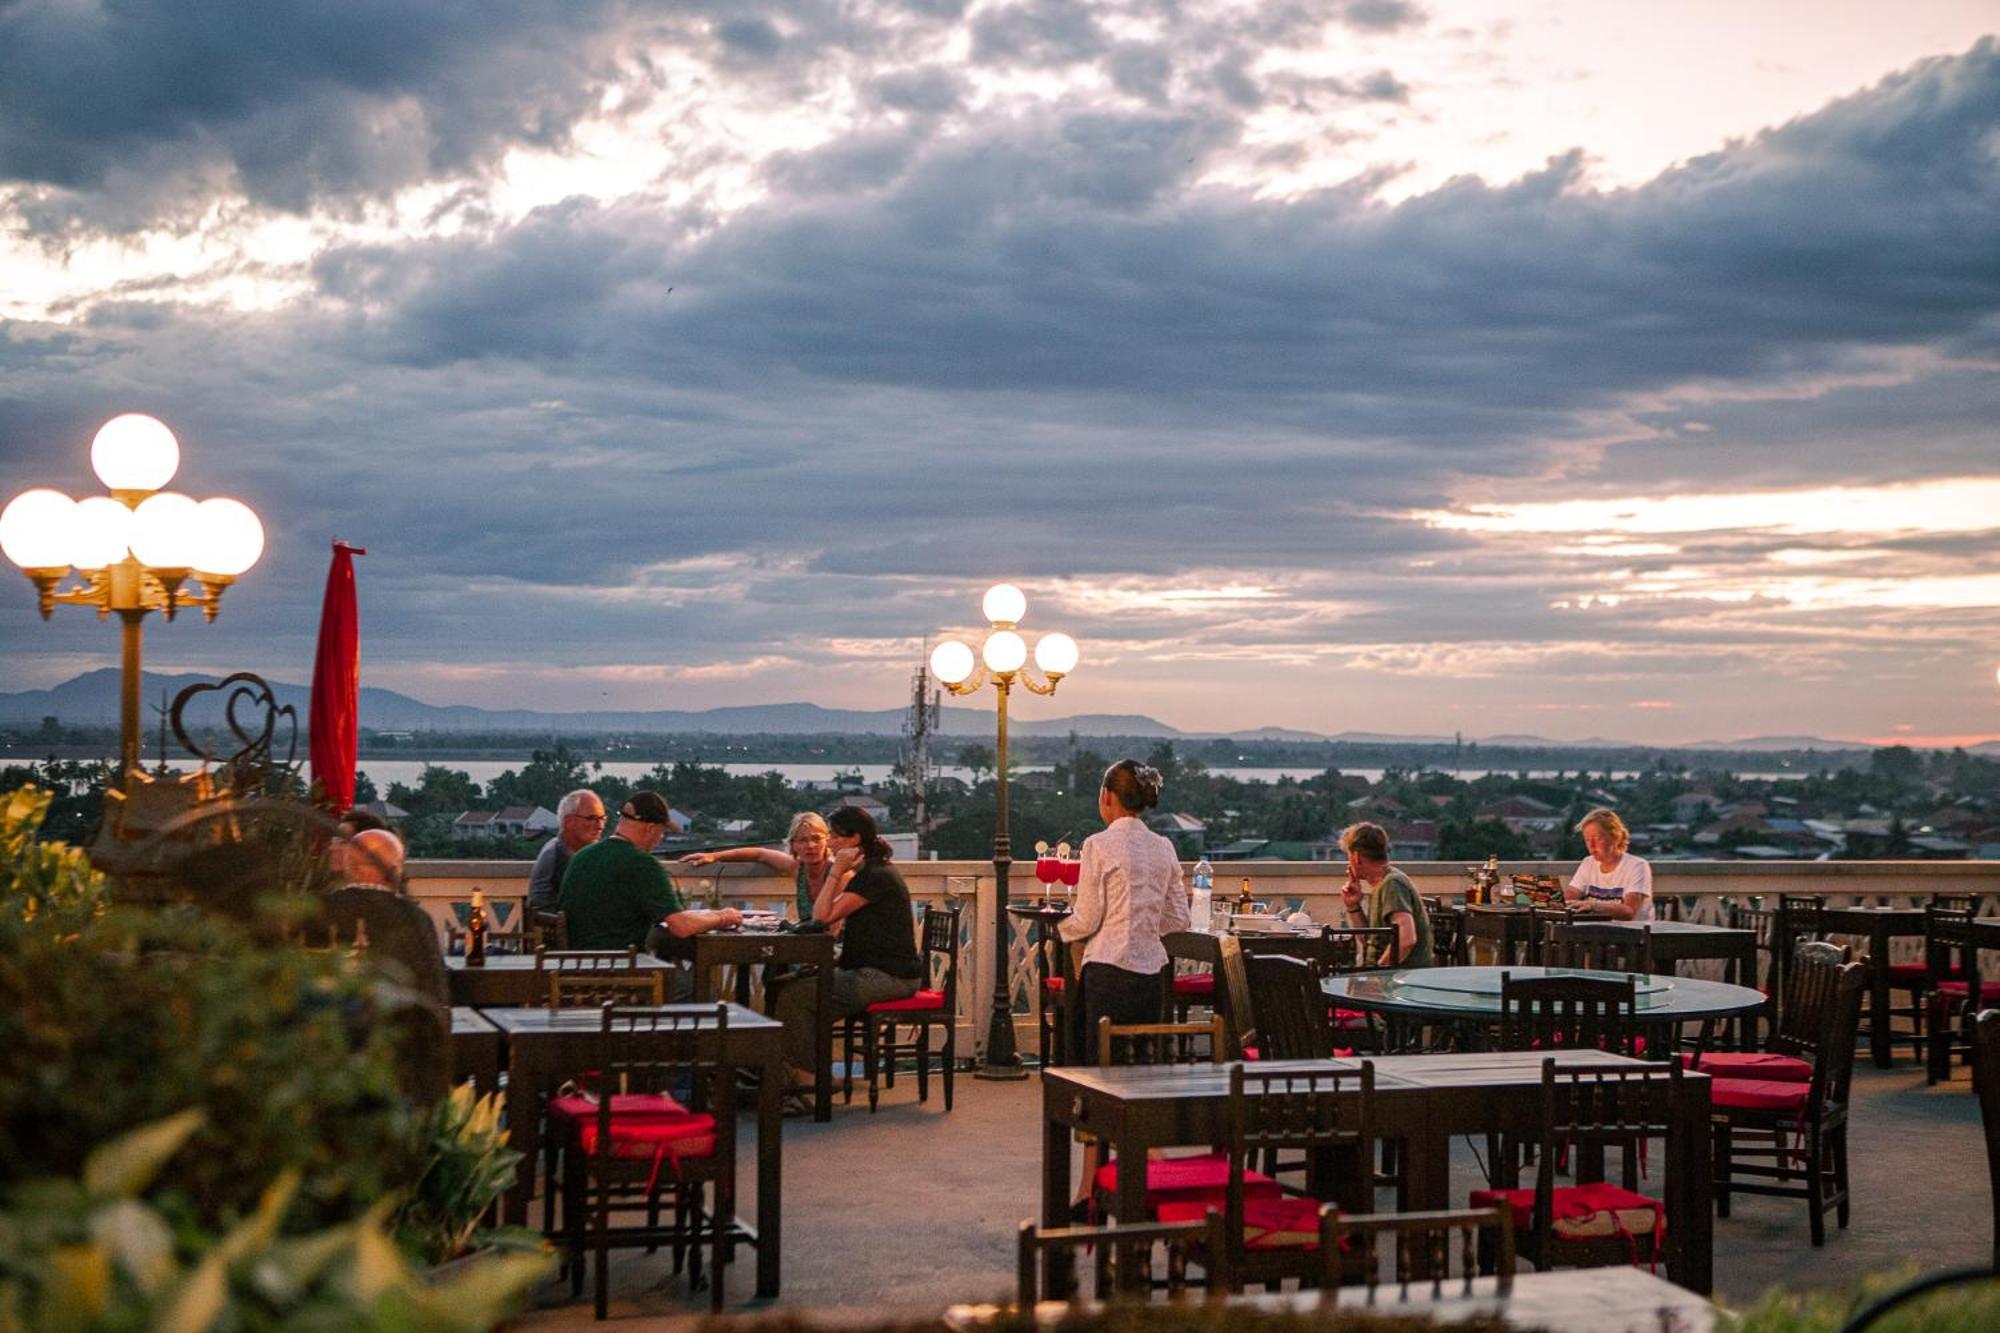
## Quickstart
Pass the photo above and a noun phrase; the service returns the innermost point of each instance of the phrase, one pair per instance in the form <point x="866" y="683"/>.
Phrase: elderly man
<point x="582" y="813"/>
<point x="617" y="894"/>
<point x="371" y="859"/>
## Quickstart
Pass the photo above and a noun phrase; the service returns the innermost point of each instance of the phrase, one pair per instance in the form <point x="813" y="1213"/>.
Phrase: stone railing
<point x="444" y="888"/>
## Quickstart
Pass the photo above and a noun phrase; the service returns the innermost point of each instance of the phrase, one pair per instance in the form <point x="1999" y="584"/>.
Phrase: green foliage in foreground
<point x="1966" y="1308"/>
<point x="89" y="1253"/>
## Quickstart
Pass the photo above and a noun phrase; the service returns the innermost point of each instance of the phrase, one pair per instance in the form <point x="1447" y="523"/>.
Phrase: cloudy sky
<point x="1583" y="369"/>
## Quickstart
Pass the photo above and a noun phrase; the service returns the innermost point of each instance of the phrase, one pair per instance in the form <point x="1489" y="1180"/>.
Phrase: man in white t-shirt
<point x="1610" y="882"/>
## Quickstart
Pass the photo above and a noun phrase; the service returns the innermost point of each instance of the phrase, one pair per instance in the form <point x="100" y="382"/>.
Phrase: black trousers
<point x="1112" y="992"/>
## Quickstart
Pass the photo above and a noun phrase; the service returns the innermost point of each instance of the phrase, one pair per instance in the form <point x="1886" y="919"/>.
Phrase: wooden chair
<point x="634" y="1142"/>
<point x="1193" y="956"/>
<point x="1447" y="933"/>
<point x="1794" y="1042"/>
<point x="551" y="930"/>
<point x="1323" y="1113"/>
<point x="594" y="989"/>
<point x="1986" y="1082"/>
<point x="1546" y="945"/>
<point x="935" y="1005"/>
<point x="1772" y="1112"/>
<point x="1592" y="1112"/>
<point x="1124" y="1257"/>
<point x="1573" y="1013"/>
<point x="1485" y="1236"/>
<point x="586" y="960"/>
<point x="1624" y="955"/>
<point x="1911" y="982"/>
<point x="1184" y="1178"/>
<point x="1800" y="918"/>
<point x="1291" y="1010"/>
<point x="1955" y="988"/>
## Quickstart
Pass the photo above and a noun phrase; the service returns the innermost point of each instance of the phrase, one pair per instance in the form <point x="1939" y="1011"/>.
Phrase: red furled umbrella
<point x="335" y="724"/>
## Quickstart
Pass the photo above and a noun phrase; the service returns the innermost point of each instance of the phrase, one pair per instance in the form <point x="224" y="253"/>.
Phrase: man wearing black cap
<point x="618" y="895"/>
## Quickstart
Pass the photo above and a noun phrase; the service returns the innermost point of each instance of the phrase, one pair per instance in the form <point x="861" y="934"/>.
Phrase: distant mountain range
<point x="91" y="699"/>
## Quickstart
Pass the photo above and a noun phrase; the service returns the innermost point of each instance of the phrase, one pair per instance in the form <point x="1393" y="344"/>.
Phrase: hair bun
<point x="1150" y="784"/>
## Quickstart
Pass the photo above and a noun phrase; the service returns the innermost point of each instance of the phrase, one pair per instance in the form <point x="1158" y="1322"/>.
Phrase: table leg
<point x="1055" y="1185"/>
<point x="1426" y="1182"/>
<point x="524" y="1136"/>
<point x="823" y="1037"/>
<point x="1879" y="1045"/>
<point x="770" y="1166"/>
<point x="1690" y="1189"/>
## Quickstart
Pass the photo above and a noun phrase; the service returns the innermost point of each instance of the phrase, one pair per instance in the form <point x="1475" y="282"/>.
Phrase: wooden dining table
<point x="744" y="950"/>
<point x="1423" y="1100"/>
<point x="1878" y="925"/>
<point x="475" y="1049"/>
<point x="547" y="1046"/>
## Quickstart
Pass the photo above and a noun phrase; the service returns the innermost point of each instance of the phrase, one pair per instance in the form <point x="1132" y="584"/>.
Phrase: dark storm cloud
<point x="141" y="109"/>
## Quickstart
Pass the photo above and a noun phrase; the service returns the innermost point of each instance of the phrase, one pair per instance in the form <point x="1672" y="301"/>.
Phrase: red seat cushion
<point x="1758" y="1094"/>
<point x="1584" y="1212"/>
<point x="1199" y="1179"/>
<point x="1753" y="1065"/>
<point x="1906" y="973"/>
<point x="1350" y="1020"/>
<point x="632" y="1106"/>
<point x="1195" y="983"/>
<point x="1052" y="983"/>
<point x="1273" y="1222"/>
<point x="923" y="999"/>
<point x="1988" y="990"/>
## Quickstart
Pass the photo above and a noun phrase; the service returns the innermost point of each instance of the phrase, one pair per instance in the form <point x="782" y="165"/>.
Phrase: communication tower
<point x="914" y="762"/>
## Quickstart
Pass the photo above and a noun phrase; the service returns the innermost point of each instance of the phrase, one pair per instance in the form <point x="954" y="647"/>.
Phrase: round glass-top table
<point x="1441" y="993"/>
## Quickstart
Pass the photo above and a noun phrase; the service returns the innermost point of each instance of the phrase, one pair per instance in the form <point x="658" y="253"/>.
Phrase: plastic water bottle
<point x="1201" y="911"/>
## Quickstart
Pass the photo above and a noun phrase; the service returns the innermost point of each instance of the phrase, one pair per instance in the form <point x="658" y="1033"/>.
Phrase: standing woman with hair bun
<point x="1129" y="892"/>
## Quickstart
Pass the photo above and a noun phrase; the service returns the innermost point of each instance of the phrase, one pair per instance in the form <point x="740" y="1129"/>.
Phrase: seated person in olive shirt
<point x="617" y="895"/>
<point x="1386" y="895"/>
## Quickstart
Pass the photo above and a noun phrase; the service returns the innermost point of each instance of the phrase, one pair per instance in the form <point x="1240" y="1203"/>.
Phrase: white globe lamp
<point x="951" y="662"/>
<point x="163" y="531"/>
<point x="1056" y="654"/>
<point x="1004" y="604"/>
<point x="229" y="537"/>
<point x="35" y="529"/>
<point x="102" y="535"/>
<point x="1005" y="652"/>
<point x="135" y="452"/>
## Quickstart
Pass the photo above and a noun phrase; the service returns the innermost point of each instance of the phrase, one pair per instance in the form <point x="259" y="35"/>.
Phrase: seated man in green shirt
<point x="1391" y="899"/>
<point x="617" y="895"/>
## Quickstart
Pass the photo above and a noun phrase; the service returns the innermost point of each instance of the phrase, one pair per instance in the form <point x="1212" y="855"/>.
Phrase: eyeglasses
<point x="588" y="819"/>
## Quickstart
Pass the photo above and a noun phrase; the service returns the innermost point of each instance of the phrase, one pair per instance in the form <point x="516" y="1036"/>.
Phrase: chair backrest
<point x="1349" y="1240"/>
<point x="1447" y="932"/>
<point x="938" y="940"/>
<point x="1123" y="1256"/>
<point x="1950" y="951"/>
<point x="1357" y="948"/>
<point x="669" y="1049"/>
<point x="1162" y="1043"/>
<point x="1963" y="902"/>
<point x="589" y="990"/>
<point x="1232" y="996"/>
<point x="586" y="960"/>
<point x="1293" y="1110"/>
<point x="1631" y="952"/>
<point x="551" y="930"/>
<point x="1589" y="1110"/>
<point x="1801" y="917"/>
<point x="1986" y="1082"/>
<point x="1291" y="1009"/>
<point x="1546" y="945"/>
<point x="1572" y="1012"/>
<point x="1833" y="1067"/>
<point x="1811" y="991"/>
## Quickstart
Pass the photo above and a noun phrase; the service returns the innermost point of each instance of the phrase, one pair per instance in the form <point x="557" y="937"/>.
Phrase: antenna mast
<point x="918" y="724"/>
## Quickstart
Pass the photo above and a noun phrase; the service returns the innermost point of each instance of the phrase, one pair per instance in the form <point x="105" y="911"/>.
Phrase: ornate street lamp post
<point x="1002" y="659"/>
<point x="134" y="549"/>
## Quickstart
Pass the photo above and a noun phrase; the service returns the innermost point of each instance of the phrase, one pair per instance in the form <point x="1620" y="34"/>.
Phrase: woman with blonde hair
<point x="1610" y="881"/>
<point x="806" y="860"/>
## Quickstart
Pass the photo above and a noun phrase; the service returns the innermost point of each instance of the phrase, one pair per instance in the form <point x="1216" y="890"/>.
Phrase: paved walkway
<point x="909" y="1210"/>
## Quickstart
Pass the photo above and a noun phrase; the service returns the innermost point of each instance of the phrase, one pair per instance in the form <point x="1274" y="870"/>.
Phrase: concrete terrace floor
<point x="909" y="1210"/>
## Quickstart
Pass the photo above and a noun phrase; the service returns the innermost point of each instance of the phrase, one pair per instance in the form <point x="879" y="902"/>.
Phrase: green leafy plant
<point x="1969" y="1308"/>
<point x="38" y="877"/>
<point x="89" y="1253"/>
<point x="470" y="1166"/>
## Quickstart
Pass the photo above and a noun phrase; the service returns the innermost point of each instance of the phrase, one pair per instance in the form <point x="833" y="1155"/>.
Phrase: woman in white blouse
<point x="1129" y="892"/>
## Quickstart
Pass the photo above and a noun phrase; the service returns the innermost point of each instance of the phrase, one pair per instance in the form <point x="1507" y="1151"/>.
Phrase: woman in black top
<point x="878" y="950"/>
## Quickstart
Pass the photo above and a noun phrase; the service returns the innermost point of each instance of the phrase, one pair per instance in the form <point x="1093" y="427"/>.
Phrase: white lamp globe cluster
<point x="1004" y="651"/>
<point x="46" y="532"/>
